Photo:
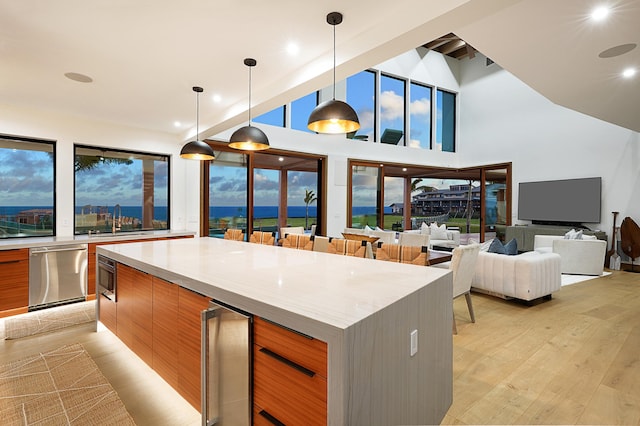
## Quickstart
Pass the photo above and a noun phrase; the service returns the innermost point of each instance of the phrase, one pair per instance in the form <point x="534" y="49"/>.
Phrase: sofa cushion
<point x="526" y="276"/>
<point x="573" y="235"/>
<point x="424" y="229"/>
<point x="438" y="232"/>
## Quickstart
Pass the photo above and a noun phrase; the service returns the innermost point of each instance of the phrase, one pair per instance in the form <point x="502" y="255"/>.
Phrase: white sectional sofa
<point x="526" y="276"/>
<point x="583" y="257"/>
<point x="452" y="239"/>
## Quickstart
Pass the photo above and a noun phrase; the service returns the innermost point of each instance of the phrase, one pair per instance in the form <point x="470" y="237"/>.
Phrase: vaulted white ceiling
<point x="144" y="56"/>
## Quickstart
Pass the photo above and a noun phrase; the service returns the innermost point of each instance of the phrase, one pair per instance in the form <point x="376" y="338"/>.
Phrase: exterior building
<point x="441" y="201"/>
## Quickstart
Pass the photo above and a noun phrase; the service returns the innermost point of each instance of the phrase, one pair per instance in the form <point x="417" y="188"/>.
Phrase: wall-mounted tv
<point x="569" y="201"/>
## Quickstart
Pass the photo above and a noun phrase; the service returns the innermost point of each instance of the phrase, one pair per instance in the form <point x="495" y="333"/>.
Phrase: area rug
<point x="60" y="387"/>
<point x="568" y="279"/>
<point x="49" y="319"/>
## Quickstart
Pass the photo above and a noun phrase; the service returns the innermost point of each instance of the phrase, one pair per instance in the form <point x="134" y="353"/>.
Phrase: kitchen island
<point x="366" y="312"/>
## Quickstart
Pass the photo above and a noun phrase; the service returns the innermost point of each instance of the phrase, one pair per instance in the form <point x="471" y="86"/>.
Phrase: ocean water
<point x="160" y="212"/>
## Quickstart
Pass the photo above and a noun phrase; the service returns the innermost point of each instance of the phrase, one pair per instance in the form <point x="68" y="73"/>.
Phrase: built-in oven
<point x="107" y="277"/>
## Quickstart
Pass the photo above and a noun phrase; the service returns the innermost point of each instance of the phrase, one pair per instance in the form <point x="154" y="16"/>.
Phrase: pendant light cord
<point x="197" y="116"/>
<point x="334" y="62"/>
<point x="249" y="96"/>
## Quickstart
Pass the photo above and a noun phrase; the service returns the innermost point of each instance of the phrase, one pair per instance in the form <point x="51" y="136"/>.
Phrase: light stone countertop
<point x="318" y="294"/>
<point x="29" y="242"/>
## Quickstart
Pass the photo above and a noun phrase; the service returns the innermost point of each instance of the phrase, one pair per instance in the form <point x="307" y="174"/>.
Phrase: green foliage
<point x="89" y="162"/>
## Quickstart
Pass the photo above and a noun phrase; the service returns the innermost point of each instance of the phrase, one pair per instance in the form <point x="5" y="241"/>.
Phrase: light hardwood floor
<point x="572" y="360"/>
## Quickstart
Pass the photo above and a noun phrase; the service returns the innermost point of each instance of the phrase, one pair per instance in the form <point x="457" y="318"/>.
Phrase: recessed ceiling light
<point x="600" y="13"/>
<point x="404" y="169"/>
<point x="177" y="123"/>
<point x="292" y="48"/>
<point x="280" y="159"/>
<point x="629" y="72"/>
<point x="217" y="98"/>
<point x="80" y="78"/>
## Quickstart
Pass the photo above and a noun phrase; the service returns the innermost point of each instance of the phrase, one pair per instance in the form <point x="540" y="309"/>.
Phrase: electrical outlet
<point x="414" y="343"/>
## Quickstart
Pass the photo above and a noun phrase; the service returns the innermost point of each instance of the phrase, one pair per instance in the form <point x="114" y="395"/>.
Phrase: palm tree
<point x="423" y="188"/>
<point x="309" y="197"/>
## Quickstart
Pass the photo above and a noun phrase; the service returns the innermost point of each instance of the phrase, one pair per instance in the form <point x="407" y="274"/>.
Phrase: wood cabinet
<point x="190" y="304"/>
<point x="142" y="318"/>
<point x="14" y="281"/>
<point x="289" y="376"/>
<point x="165" y="330"/>
<point x="108" y="313"/>
<point x="134" y="314"/>
<point x="161" y="322"/>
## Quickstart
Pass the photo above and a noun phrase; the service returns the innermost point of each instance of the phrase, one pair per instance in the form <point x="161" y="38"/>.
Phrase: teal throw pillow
<point x="497" y="247"/>
<point x="510" y="249"/>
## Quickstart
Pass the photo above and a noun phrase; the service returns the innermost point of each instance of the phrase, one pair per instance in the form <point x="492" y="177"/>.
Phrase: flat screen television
<point x="561" y="202"/>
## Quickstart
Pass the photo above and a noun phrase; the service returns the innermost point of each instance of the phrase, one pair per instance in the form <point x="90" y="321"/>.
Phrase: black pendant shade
<point x="249" y="138"/>
<point x="333" y="116"/>
<point x="197" y="150"/>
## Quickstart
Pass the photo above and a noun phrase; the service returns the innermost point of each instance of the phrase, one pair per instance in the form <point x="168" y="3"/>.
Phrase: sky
<point x="26" y="178"/>
<point x="228" y="186"/>
<point x="111" y="184"/>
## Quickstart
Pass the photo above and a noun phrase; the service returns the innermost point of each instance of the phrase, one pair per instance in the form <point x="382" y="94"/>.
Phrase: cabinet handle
<point x="288" y="362"/>
<point x="6" y="262"/>
<point x="269" y="417"/>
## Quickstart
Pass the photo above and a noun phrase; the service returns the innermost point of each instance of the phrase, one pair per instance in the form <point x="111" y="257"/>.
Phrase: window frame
<point x="125" y="151"/>
<point x="405" y="95"/>
<point x="53" y="144"/>
<point x="455" y="119"/>
<point x="431" y="89"/>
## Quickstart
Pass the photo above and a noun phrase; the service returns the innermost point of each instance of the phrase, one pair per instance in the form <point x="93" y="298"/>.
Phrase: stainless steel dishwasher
<point x="57" y="275"/>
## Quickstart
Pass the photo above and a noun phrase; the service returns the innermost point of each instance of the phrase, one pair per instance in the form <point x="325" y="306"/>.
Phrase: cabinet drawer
<point x="14" y="255"/>
<point x="286" y="393"/>
<point x="303" y="350"/>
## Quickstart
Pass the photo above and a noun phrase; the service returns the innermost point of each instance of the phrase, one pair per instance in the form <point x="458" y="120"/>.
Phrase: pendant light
<point x="249" y="138"/>
<point x="197" y="150"/>
<point x="333" y="116"/>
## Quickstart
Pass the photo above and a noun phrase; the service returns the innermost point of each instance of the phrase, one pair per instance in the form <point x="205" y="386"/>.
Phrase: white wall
<point x="502" y="120"/>
<point x="69" y="130"/>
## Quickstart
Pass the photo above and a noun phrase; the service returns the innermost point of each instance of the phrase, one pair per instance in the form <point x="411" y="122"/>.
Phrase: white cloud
<point x="421" y="107"/>
<point x="391" y="105"/>
<point x="414" y="143"/>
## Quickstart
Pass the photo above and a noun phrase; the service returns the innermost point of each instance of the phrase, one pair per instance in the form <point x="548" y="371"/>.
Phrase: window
<point x="392" y="110"/>
<point x="420" y="116"/>
<point x="275" y="117"/>
<point x="301" y="110"/>
<point x="27" y="202"/>
<point x="361" y="96"/>
<point x="302" y="194"/>
<point x="446" y="121"/>
<point x="266" y="199"/>
<point x="227" y="193"/>
<point x="120" y="190"/>
<point x="365" y="192"/>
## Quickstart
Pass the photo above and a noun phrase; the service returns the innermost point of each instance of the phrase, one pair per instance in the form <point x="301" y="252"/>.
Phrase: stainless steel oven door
<point x="107" y="277"/>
